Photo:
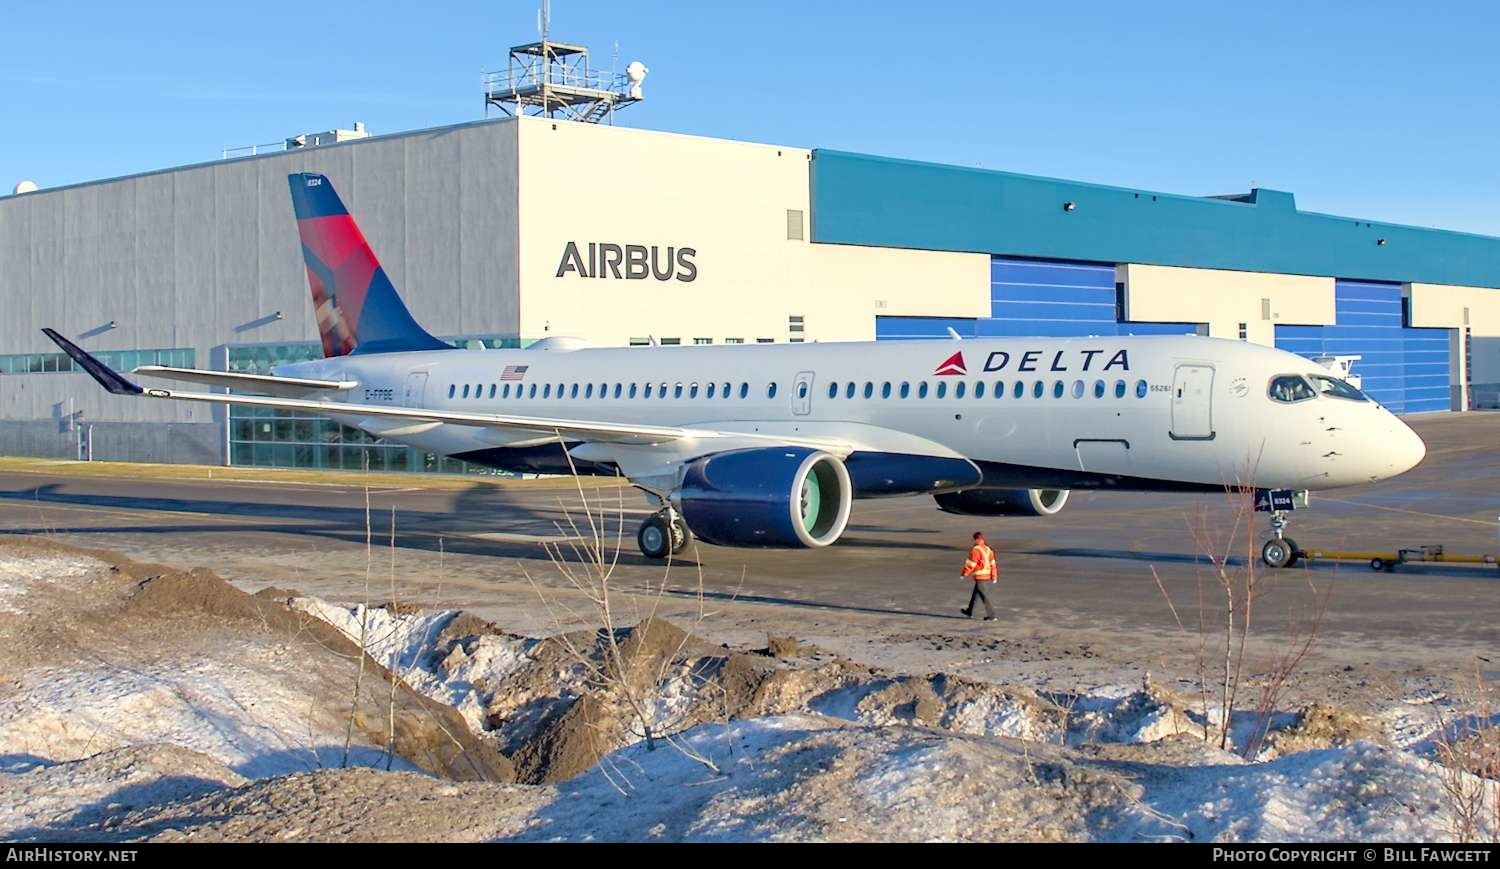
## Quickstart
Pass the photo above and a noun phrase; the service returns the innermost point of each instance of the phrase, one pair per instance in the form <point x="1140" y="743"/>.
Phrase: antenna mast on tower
<point x="554" y="79"/>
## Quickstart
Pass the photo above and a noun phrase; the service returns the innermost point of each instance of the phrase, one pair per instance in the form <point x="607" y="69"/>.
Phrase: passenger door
<point x="1192" y="402"/>
<point x="416" y="385"/>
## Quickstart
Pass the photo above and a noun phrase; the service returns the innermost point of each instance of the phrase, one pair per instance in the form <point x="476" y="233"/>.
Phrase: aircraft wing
<point x="587" y="430"/>
<point x="293" y="387"/>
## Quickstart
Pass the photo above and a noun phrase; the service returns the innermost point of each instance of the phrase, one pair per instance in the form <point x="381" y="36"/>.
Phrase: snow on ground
<point x="807" y="777"/>
<point x="242" y="715"/>
<point x="18" y="575"/>
<point x="81" y="792"/>
<point x="409" y="646"/>
<point x="856" y="755"/>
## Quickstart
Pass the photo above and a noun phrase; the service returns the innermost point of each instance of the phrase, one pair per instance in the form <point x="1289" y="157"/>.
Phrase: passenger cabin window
<point x="833" y="389"/>
<point x="849" y="390"/>
<point x="958" y="390"/>
<point x="1290" y="388"/>
<point x="466" y="390"/>
<point x="1098" y="389"/>
<point x="744" y="390"/>
<point x="1140" y="389"/>
<point x="1119" y="389"/>
<point x="1057" y="389"/>
<point x="979" y="389"/>
<point x="1337" y="388"/>
<point x="771" y="390"/>
<point x="452" y="388"/>
<point x="942" y="389"/>
<point x="492" y="390"/>
<point x="725" y="393"/>
<point x="1020" y="390"/>
<point x="905" y="390"/>
<point x="869" y="389"/>
<point x="922" y="389"/>
<point x="1038" y="389"/>
<point x="885" y="389"/>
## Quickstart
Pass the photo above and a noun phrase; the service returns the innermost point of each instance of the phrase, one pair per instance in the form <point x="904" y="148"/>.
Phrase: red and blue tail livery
<point x="356" y="306"/>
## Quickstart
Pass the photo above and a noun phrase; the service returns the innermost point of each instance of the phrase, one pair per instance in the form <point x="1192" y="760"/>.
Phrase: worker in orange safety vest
<point x="981" y="568"/>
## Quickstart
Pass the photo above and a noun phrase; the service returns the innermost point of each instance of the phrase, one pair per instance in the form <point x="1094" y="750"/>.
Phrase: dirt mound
<point x="348" y="805"/>
<point x="1321" y="726"/>
<point x="82" y="799"/>
<point x="122" y="635"/>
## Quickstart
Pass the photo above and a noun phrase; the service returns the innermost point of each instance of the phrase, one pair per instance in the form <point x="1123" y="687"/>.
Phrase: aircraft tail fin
<point x="357" y="307"/>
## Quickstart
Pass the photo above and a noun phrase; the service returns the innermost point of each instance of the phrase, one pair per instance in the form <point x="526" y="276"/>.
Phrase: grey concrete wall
<point x="193" y="443"/>
<point x="205" y="255"/>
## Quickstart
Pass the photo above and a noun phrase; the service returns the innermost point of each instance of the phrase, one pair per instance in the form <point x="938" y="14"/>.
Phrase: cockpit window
<point x="1337" y="388"/>
<point x="1291" y="387"/>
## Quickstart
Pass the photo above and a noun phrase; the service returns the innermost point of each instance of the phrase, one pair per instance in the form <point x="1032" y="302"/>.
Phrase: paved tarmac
<point x="1100" y="567"/>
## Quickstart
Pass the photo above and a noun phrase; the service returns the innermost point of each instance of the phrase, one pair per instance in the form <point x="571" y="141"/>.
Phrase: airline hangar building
<point x="498" y="233"/>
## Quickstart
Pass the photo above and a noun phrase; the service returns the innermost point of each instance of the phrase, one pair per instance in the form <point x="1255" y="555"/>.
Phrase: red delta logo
<point x="953" y="365"/>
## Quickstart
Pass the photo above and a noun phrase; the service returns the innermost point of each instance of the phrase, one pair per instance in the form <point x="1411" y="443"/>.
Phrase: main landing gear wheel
<point x="659" y="536"/>
<point x="1279" y="552"/>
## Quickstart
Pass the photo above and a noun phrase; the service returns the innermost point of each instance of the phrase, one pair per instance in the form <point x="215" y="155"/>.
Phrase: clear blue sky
<point x="1376" y="109"/>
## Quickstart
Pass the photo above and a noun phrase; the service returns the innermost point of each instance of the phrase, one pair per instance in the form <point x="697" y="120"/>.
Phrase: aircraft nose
<point x="1407" y="449"/>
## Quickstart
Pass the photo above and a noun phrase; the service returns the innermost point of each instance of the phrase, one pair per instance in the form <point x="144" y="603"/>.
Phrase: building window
<point x="734" y="340"/>
<point x="640" y="342"/>
<point x="765" y="340"/>
<point x="703" y="340"/>
<point x="1244" y="331"/>
<point x="670" y="342"/>
<point x="795" y="329"/>
<point x="794" y="224"/>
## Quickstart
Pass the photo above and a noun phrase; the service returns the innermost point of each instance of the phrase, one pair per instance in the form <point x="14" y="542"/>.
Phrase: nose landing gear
<point x="1281" y="550"/>
<point x="663" y="534"/>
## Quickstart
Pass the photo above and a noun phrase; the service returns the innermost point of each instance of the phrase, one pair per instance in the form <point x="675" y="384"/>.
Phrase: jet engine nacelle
<point x="775" y="497"/>
<point x="1003" y="502"/>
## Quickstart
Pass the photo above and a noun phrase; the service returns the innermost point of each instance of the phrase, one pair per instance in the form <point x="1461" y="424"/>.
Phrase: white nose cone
<point x="1407" y="449"/>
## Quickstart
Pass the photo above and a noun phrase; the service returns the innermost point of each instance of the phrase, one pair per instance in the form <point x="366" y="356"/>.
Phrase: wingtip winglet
<point x="112" y="380"/>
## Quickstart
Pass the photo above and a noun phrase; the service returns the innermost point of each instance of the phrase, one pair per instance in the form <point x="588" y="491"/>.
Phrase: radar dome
<point x="24" y="187"/>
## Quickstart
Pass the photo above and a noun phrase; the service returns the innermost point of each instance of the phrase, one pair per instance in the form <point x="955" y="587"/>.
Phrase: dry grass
<point x="238" y="474"/>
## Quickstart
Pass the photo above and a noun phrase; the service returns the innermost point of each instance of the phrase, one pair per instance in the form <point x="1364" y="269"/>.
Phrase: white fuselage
<point x="1123" y="412"/>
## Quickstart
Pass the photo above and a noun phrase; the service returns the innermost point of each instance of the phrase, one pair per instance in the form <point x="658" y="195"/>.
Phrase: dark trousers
<point x="979" y="595"/>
